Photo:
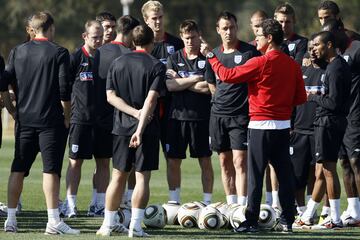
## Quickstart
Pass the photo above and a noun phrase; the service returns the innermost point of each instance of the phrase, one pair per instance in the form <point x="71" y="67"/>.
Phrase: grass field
<point x="33" y="219"/>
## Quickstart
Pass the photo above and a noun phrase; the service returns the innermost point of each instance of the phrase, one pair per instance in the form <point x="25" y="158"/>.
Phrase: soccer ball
<point x="209" y="218"/>
<point x="188" y="214"/>
<point x="155" y="216"/>
<point x="223" y="208"/>
<point x="237" y="216"/>
<point x="124" y="216"/>
<point x="171" y="210"/>
<point x="267" y="217"/>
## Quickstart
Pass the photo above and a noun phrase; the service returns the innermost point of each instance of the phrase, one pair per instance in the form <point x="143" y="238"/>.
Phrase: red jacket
<point x="275" y="84"/>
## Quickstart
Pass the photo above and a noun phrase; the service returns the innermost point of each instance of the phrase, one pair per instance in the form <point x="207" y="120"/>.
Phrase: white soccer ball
<point x="188" y="215"/>
<point x="171" y="210"/>
<point x="238" y="216"/>
<point x="155" y="216"/>
<point x="124" y="216"/>
<point x="209" y="218"/>
<point x="223" y="209"/>
<point x="267" y="217"/>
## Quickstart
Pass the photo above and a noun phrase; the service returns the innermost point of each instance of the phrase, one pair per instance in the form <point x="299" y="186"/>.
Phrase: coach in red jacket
<point x="275" y="86"/>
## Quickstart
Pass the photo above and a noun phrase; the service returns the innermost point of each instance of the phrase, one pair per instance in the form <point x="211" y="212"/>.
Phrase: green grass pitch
<point x="33" y="219"/>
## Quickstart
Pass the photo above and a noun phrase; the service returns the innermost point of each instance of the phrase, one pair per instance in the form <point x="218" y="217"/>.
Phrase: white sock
<point x="129" y="194"/>
<point x="325" y="211"/>
<point x="311" y="208"/>
<point x="93" y="197"/>
<point x="268" y="198"/>
<point x="307" y="198"/>
<point x="335" y="210"/>
<point x="241" y="200"/>
<point x="100" y="199"/>
<point x="275" y="199"/>
<point x="178" y="191"/>
<point x="230" y="199"/>
<point x="207" y="198"/>
<point x="53" y="216"/>
<point x="11" y="214"/>
<point x="109" y="218"/>
<point x="354" y="207"/>
<point x="71" y="200"/>
<point x="137" y="216"/>
<point x="174" y="196"/>
<point x="300" y="210"/>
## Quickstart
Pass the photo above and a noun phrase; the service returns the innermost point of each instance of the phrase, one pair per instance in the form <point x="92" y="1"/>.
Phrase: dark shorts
<point x="228" y="133"/>
<point x="29" y="141"/>
<point x="143" y="158"/>
<point x="194" y="134"/>
<point x="87" y="140"/>
<point x="327" y="143"/>
<point x="351" y="142"/>
<point x="302" y="155"/>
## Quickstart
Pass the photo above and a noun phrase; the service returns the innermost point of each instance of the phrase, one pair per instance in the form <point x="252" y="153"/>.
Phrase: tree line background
<point x="70" y="16"/>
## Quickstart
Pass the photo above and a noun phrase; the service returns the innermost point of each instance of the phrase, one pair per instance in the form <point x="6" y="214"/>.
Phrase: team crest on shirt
<point x="346" y="57"/>
<point x="74" y="148"/>
<point x="86" y="76"/>
<point x="201" y="64"/>
<point x="237" y="59"/>
<point x="291" y="47"/>
<point x="170" y="49"/>
<point x="291" y="150"/>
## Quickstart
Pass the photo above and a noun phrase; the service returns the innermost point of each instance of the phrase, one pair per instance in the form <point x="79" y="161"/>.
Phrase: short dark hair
<point x="188" y="25"/>
<point x="329" y="5"/>
<point x="273" y="27"/>
<point x="286" y="9"/>
<point x="332" y="25"/>
<point x="142" y="35"/>
<point x="325" y="37"/>
<point x="225" y="15"/>
<point x="105" y="16"/>
<point x="126" y="24"/>
<point x="41" y="21"/>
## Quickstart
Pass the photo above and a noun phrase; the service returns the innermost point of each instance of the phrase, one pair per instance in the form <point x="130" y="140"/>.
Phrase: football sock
<point x="307" y="198"/>
<point x="241" y="200"/>
<point x="71" y="199"/>
<point x="230" y="199"/>
<point x="129" y="193"/>
<point x="310" y="209"/>
<point x="109" y="218"/>
<point x="53" y="216"/>
<point x="335" y="210"/>
<point x="325" y="211"/>
<point x="11" y="214"/>
<point x="268" y="198"/>
<point x="300" y="210"/>
<point x="207" y="198"/>
<point x="137" y="216"/>
<point x="100" y="199"/>
<point x="174" y="195"/>
<point x="275" y="199"/>
<point x="353" y="207"/>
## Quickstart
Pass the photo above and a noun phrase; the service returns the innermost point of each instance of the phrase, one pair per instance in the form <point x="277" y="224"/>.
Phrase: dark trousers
<point x="270" y="146"/>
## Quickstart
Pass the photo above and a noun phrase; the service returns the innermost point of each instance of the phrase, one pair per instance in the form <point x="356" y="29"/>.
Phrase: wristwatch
<point x="210" y="55"/>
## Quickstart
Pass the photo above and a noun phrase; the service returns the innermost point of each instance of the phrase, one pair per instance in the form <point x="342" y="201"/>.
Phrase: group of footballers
<point x="282" y="104"/>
